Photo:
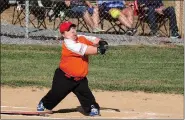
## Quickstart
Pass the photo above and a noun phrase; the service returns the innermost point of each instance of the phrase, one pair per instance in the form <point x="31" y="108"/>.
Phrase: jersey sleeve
<point x="78" y="48"/>
<point x="89" y="38"/>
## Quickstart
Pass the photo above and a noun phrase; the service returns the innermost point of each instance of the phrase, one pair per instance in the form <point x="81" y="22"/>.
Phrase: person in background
<point x="118" y="9"/>
<point x="155" y="8"/>
<point x="87" y="9"/>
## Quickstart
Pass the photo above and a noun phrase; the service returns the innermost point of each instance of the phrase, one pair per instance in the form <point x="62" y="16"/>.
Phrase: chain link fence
<point x="40" y="19"/>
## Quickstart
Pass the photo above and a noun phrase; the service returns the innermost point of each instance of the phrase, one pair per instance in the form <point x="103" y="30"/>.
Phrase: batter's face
<point x="71" y="34"/>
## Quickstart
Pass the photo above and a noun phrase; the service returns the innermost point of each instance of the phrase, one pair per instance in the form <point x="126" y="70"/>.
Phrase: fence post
<point x="27" y="19"/>
<point x="183" y="19"/>
<point x="179" y="15"/>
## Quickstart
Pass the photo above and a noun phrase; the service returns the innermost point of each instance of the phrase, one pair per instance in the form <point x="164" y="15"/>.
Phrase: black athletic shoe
<point x="175" y="35"/>
<point x="131" y="31"/>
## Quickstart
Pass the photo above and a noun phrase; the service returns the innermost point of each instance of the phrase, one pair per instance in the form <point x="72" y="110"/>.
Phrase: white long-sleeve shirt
<point x="77" y="47"/>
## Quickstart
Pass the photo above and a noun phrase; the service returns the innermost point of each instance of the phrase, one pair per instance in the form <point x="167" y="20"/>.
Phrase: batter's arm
<point x="93" y="39"/>
<point x="80" y="48"/>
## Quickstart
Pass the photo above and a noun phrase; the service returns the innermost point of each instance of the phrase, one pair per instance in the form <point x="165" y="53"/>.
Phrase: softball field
<point x="114" y="105"/>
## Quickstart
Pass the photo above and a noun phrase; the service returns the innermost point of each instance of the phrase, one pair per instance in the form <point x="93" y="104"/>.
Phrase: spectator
<point x="118" y="9"/>
<point x="80" y="7"/>
<point x="155" y="8"/>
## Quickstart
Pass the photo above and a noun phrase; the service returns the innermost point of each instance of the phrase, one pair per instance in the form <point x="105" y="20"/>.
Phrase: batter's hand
<point x="103" y="46"/>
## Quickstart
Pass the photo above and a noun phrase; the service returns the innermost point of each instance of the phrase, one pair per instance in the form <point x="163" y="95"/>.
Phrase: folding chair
<point x="80" y="20"/>
<point x="17" y="12"/>
<point x="141" y="12"/>
<point x="115" y="24"/>
<point x="39" y="13"/>
<point x="67" y="14"/>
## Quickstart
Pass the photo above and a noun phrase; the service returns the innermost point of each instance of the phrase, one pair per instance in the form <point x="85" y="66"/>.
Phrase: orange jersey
<point x="73" y="61"/>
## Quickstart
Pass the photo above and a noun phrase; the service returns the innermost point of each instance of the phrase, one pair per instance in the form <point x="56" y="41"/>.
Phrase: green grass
<point x="132" y="68"/>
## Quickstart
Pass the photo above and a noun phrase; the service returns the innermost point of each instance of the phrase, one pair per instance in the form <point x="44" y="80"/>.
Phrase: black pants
<point x="169" y="12"/>
<point x="62" y="86"/>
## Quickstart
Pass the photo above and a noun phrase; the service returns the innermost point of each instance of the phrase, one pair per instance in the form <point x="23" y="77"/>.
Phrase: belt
<point x="75" y="78"/>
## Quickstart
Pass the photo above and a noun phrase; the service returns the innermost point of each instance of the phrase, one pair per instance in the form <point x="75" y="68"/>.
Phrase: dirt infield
<point x="114" y="105"/>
